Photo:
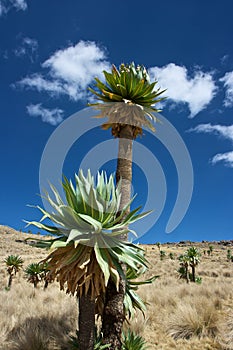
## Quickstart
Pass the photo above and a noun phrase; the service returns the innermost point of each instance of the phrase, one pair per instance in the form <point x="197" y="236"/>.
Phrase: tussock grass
<point x="33" y="319"/>
<point x="195" y="319"/>
<point x="180" y="316"/>
<point x="227" y="330"/>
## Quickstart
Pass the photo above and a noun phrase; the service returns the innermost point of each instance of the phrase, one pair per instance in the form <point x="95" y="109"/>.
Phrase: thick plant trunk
<point x="10" y="281"/>
<point x="35" y="282"/>
<point x="124" y="164"/>
<point x="193" y="273"/>
<point x="187" y="274"/>
<point x="86" y="322"/>
<point x="113" y="314"/>
<point x="46" y="284"/>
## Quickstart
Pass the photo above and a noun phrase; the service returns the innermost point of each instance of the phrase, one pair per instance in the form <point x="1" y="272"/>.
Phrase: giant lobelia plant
<point x="128" y="100"/>
<point x="88" y="249"/>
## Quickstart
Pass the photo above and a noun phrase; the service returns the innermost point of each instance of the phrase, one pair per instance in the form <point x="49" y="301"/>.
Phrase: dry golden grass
<point x="180" y="316"/>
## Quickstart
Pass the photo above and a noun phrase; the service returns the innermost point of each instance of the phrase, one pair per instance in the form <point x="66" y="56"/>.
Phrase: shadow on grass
<point x="44" y="333"/>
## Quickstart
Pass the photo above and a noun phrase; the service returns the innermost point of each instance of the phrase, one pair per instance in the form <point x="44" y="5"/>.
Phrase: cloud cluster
<point x="51" y="116"/>
<point x="70" y="71"/>
<point x="197" y="92"/>
<point x="228" y="84"/>
<point x="226" y="158"/>
<point x="6" y="5"/>
<point x="27" y="47"/>
<point x="222" y="130"/>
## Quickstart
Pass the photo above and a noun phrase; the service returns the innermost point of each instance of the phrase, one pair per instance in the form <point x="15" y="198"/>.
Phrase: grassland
<point x="179" y="316"/>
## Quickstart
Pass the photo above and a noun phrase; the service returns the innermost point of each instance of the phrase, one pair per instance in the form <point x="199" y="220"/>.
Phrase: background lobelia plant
<point x="194" y="259"/>
<point x="33" y="273"/>
<point x="88" y="249"/>
<point x="184" y="267"/>
<point x="14" y="263"/>
<point x="127" y="98"/>
<point x="191" y="258"/>
<point x="37" y="272"/>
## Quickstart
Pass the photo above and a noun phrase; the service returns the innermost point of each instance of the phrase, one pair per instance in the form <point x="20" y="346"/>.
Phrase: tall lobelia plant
<point x="127" y="98"/>
<point x="88" y="250"/>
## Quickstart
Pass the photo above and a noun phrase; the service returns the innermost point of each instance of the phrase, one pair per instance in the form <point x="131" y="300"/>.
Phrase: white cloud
<point x="224" y="59"/>
<point x="70" y="71"/>
<point x="222" y="130"/>
<point x="6" y="5"/>
<point x="19" y="4"/>
<point x="27" y="47"/>
<point x="197" y="92"/>
<point x="51" y="116"/>
<point x="228" y="83"/>
<point x="226" y="158"/>
<point x="2" y="9"/>
<point x="37" y="82"/>
<point x="77" y="64"/>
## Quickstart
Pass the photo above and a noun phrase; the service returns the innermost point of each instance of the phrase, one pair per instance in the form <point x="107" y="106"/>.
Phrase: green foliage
<point x="132" y="300"/>
<point x="97" y="345"/>
<point x="130" y="341"/>
<point x="14" y="263"/>
<point x="211" y="248"/>
<point x="128" y="95"/>
<point x="33" y="269"/>
<point x="182" y="272"/>
<point x="198" y="280"/>
<point x="171" y="256"/>
<point x="128" y="83"/>
<point x="133" y="341"/>
<point x="229" y="255"/>
<point x="183" y="269"/>
<point x="191" y="258"/>
<point x="88" y="230"/>
<point x="33" y="272"/>
<point x="194" y="256"/>
<point x="162" y="254"/>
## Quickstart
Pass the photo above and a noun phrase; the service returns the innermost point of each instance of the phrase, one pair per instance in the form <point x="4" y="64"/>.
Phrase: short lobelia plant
<point x="194" y="259"/>
<point x="33" y="273"/>
<point x="162" y="254"/>
<point x="44" y="274"/>
<point x="158" y="245"/>
<point x="132" y="341"/>
<point x="184" y="267"/>
<point x="229" y="255"/>
<point x="171" y="256"/>
<point x="14" y="263"/>
<point x="88" y="248"/>
<point x="191" y="258"/>
<point x="211" y="249"/>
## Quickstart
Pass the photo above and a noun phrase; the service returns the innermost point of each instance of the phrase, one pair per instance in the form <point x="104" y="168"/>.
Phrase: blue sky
<point x="50" y="51"/>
